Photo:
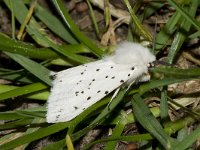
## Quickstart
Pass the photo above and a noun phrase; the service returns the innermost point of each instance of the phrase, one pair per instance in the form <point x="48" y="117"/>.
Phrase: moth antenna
<point x="160" y="62"/>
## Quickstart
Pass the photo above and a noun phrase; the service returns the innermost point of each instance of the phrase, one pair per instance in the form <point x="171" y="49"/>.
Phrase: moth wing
<point x="75" y="89"/>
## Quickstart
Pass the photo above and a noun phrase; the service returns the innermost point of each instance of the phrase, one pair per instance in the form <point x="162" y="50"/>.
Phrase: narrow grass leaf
<point x="11" y="115"/>
<point x="43" y="132"/>
<point x="163" y="105"/>
<point x="134" y="138"/>
<point x="26" y="19"/>
<point x="145" y="33"/>
<point x="163" y="37"/>
<point x="177" y="72"/>
<point x="36" y="69"/>
<point x="183" y="133"/>
<point x="20" y="16"/>
<point x="20" y="76"/>
<point x="118" y="130"/>
<point x="157" y="83"/>
<point x="92" y="15"/>
<point x="180" y="35"/>
<point x="23" y="90"/>
<point x="15" y="124"/>
<point x="69" y="143"/>
<point x="33" y="114"/>
<point x="39" y="35"/>
<point x="5" y="88"/>
<point x="10" y="45"/>
<point x="194" y="35"/>
<point x="72" y="26"/>
<point x="149" y="122"/>
<point x="59" y="145"/>
<point x="54" y="24"/>
<point x="189" y="140"/>
<point x="185" y="13"/>
<point x="173" y="127"/>
<point x="151" y="8"/>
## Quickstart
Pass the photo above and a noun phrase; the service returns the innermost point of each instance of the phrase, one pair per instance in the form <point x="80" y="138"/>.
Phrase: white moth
<point x="77" y="88"/>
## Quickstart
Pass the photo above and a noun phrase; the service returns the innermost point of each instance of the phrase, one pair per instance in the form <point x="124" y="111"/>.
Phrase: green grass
<point x="34" y="61"/>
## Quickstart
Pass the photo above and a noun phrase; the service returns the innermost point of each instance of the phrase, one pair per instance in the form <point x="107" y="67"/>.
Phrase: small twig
<point x="110" y="34"/>
<point x="191" y="58"/>
<point x="118" y="13"/>
<point x="26" y="20"/>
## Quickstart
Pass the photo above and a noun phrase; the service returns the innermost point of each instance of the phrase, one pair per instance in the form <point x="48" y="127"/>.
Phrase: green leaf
<point x="177" y="72"/>
<point x="43" y="132"/>
<point x="15" y="124"/>
<point x="54" y="24"/>
<point x="145" y="33"/>
<point x="149" y="122"/>
<point x="185" y="13"/>
<point x="22" y="90"/>
<point x="189" y="140"/>
<point x="34" y="30"/>
<point x="180" y="36"/>
<point x="10" y="45"/>
<point x="118" y="130"/>
<point x="36" y="69"/>
<point x="72" y="26"/>
<point x="163" y="105"/>
<point x="162" y="39"/>
<point x="157" y="83"/>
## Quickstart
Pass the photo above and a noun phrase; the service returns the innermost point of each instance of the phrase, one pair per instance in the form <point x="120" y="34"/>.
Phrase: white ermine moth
<point x="77" y="88"/>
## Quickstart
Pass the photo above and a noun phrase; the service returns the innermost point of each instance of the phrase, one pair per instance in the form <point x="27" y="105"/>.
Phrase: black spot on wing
<point x="97" y="69"/>
<point x="60" y="110"/>
<point x="75" y="107"/>
<point x="84" y="65"/>
<point x="76" y="93"/>
<point x="78" y="82"/>
<point x="106" y="92"/>
<point x="89" y="98"/>
<point x="58" y="116"/>
<point x="122" y="81"/>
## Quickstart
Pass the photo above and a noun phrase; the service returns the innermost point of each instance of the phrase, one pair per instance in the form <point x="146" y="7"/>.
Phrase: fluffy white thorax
<point x="132" y="53"/>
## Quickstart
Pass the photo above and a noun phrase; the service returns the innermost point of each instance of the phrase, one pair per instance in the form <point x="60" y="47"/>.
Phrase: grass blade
<point x="72" y="26"/>
<point x="23" y="90"/>
<point x="36" y="69"/>
<point x="149" y="122"/>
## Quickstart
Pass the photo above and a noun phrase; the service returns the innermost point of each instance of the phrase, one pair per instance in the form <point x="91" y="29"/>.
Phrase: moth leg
<point x="117" y="91"/>
<point x="114" y="95"/>
<point x="130" y="85"/>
